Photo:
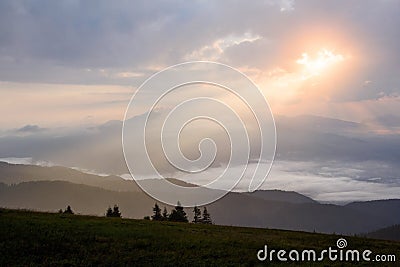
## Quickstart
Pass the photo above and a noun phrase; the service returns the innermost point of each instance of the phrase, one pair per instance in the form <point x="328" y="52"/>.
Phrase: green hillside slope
<point x="49" y="239"/>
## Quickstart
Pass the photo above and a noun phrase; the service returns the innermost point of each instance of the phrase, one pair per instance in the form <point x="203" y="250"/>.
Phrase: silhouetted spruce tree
<point x="178" y="214"/>
<point x="156" y="213"/>
<point x="197" y="215"/>
<point x="109" y="212"/>
<point x="165" y="214"/>
<point x="68" y="210"/>
<point x="206" y="217"/>
<point x="113" y="212"/>
<point x="147" y="218"/>
<point x="116" y="212"/>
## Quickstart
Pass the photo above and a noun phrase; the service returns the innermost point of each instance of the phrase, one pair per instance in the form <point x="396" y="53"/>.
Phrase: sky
<point x="66" y="63"/>
<point x="68" y="70"/>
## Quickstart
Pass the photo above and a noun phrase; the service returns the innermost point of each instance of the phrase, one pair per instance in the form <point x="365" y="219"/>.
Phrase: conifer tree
<point x="157" y="213"/>
<point x="178" y="214"/>
<point x="68" y="210"/>
<point x="109" y="212"/>
<point x="116" y="212"/>
<point x="206" y="217"/>
<point x="197" y="215"/>
<point x="165" y="214"/>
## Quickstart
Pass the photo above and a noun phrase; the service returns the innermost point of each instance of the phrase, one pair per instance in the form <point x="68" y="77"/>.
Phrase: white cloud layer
<point x="332" y="182"/>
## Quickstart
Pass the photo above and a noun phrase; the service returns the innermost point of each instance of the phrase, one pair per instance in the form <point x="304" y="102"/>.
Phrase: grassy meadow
<point x="30" y="238"/>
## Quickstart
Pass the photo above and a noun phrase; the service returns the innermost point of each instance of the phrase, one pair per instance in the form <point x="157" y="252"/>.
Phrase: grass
<point x="47" y="239"/>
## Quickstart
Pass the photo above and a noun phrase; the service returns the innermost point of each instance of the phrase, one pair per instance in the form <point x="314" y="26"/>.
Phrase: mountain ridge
<point x="91" y="194"/>
<point x="234" y="209"/>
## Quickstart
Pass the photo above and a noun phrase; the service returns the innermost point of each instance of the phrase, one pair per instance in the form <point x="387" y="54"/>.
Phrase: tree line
<point x="110" y="212"/>
<point x="179" y="215"/>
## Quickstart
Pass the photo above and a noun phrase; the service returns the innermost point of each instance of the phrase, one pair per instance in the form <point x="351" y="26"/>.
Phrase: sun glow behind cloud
<point x="314" y="66"/>
<point x="309" y="72"/>
<point x="306" y="79"/>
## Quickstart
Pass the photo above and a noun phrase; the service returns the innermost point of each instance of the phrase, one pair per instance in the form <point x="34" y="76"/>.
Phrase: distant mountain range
<point x="53" y="188"/>
<point x="303" y="138"/>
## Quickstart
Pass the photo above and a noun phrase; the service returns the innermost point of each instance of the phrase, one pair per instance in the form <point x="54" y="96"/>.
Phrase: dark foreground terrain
<point x="49" y="239"/>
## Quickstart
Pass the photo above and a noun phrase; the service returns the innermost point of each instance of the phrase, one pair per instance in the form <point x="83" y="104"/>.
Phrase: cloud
<point x="79" y="34"/>
<point x="334" y="181"/>
<point x="129" y="74"/>
<point x="335" y="184"/>
<point x="30" y="129"/>
<point x="82" y="42"/>
<point x="329" y="159"/>
<point x="58" y="105"/>
<point x="26" y="161"/>
<point x="216" y="51"/>
<point x="287" y="5"/>
<point x="78" y="62"/>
